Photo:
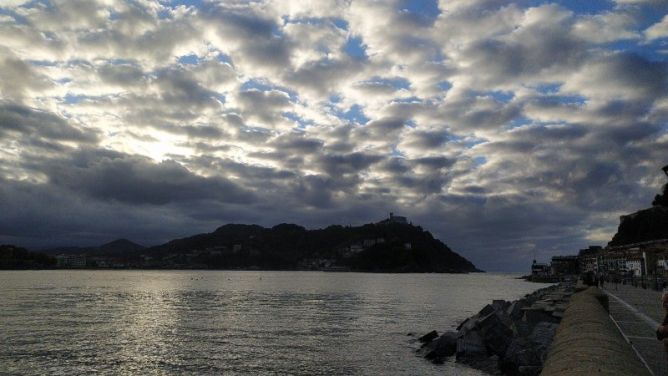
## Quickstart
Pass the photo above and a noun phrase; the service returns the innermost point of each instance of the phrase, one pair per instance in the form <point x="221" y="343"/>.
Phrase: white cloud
<point x="485" y="113"/>
<point x="658" y="30"/>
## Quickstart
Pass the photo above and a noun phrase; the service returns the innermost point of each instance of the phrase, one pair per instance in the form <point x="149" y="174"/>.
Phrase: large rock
<point x="535" y="315"/>
<point x="497" y="337"/>
<point x="443" y="347"/>
<point x="486" y="310"/>
<point x="522" y="328"/>
<point x="428" y="337"/>
<point x="468" y="324"/>
<point x="543" y="334"/>
<point x="514" y="310"/>
<point x="521" y="353"/>
<point x="471" y="343"/>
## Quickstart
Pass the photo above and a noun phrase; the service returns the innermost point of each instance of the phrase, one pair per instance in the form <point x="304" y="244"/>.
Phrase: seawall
<point x="588" y="342"/>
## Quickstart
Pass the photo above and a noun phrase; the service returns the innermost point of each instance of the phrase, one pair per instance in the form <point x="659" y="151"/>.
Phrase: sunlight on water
<point x="233" y="322"/>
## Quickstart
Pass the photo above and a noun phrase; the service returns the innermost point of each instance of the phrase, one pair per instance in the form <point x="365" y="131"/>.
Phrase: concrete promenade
<point x="638" y="312"/>
<point x="587" y="341"/>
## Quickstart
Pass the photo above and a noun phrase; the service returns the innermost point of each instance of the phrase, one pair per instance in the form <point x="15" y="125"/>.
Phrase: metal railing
<point x="640" y="299"/>
<point x="656" y="283"/>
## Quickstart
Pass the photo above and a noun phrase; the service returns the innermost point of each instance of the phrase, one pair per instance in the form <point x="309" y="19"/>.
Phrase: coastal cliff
<point x="644" y="225"/>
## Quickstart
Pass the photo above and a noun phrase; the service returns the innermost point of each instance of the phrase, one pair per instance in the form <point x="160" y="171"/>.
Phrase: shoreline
<point x="504" y="337"/>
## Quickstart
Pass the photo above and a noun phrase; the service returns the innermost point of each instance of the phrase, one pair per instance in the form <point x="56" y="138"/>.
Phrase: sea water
<point x="234" y="322"/>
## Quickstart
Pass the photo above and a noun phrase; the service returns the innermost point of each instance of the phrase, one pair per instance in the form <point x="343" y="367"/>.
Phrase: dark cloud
<point x="17" y="77"/>
<point x="37" y="125"/>
<point x="322" y="76"/>
<point x="122" y="74"/>
<point x="180" y="88"/>
<point x="353" y="163"/>
<point x="131" y="179"/>
<point x="258" y="35"/>
<point x="507" y="129"/>
<point x="264" y="105"/>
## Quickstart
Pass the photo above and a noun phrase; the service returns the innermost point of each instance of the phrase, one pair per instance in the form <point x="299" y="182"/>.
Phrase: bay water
<point x="67" y="322"/>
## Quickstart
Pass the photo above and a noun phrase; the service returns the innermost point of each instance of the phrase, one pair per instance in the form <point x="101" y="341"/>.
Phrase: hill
<point x="119" y="247"/>
<point x="12" y="257"/>
<point x="644" y="225"/>
<point x="382" y="247"/>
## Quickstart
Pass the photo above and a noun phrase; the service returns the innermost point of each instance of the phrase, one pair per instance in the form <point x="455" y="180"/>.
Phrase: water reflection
<point x="195" y="322"/>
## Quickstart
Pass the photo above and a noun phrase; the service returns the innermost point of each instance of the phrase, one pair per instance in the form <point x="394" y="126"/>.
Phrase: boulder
<point x="535" y="315"/>
<point x="498" y="304"/>
<point x="497" y="338"/>
<point x="521" y="353"/>
<point x="514" y="310"/>
<point x="529" y="370"/>
<point x="522" y="328"/>
<point x="428" y="337"/>
<point x="471" y="343"/>
<point x="443" y="347"/>
<point x="486" y="310"/>
<point x="468" y="324"/>
<point x="542" y="336"/>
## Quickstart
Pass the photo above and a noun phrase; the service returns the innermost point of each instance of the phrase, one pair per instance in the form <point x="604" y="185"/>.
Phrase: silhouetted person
<point x="662" y="330"/>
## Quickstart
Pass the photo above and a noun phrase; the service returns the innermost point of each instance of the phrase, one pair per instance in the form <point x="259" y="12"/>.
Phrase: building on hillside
<point x="635" y="267"/>
<point x="539" y="270"/>
<point x="588" y="264"/>
<point x="564" y="265"/>
<point x="369" y="243"/>
<point x="394" y="219"/>
<point x="588" y="259"/>
<point x="71" y="261"/>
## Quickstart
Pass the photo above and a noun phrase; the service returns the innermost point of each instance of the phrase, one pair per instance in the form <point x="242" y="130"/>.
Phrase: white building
<point x="356" y="248"/>
<point x="635" y="266"/>
<point x="71" y="261"/>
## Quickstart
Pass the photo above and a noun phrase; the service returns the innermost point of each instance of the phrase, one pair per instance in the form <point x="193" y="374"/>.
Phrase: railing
<point x="656" y="283"/>
<point x="639" y="297"/>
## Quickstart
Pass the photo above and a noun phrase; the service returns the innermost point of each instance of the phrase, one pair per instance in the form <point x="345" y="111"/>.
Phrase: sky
<point x="508" y="129"/>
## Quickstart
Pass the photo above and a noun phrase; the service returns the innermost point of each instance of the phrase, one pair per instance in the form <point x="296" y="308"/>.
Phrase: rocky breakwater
<point x="509" y="338"/>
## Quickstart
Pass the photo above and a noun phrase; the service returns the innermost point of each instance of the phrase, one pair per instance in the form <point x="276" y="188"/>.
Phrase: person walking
<point x="662" y="330"/>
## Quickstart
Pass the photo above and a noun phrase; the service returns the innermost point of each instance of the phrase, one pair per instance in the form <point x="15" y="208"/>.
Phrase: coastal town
<point x="608" y="295"/>
<point x="647" y="259"/>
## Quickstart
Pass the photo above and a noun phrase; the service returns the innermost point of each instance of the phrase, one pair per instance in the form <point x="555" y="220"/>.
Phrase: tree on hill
<point x="661" y="199"/>
<point x="12" y="257"/>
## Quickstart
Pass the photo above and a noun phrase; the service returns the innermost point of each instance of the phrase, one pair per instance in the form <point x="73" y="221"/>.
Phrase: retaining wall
<point x="587" y="342"/>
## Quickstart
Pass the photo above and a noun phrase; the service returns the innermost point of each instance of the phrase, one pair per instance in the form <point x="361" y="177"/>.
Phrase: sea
<point x="70" y="322"/>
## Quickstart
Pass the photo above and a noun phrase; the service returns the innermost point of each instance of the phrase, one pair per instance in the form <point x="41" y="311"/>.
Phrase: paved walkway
<point x="638" y="312"/>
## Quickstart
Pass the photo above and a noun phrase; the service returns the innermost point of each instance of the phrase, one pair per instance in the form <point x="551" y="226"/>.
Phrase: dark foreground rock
<point x="513" y="336"/>
<point x="440" y="348"/>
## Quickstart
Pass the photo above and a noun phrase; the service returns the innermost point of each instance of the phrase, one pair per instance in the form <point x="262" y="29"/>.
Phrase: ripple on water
<point x="211" y="322"/>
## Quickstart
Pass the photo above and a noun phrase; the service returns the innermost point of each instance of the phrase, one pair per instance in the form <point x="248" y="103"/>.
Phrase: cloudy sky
<point x="506" y="128"/>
